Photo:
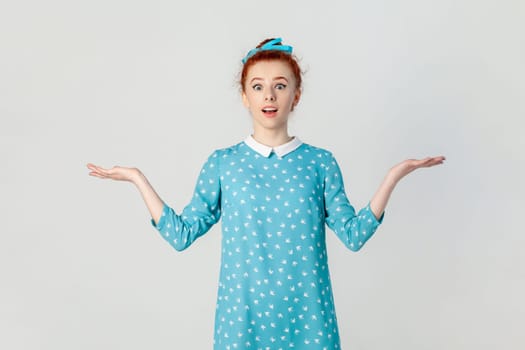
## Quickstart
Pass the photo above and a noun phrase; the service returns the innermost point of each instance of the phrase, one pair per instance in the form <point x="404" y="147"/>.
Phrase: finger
<point x="91" y="166"/>
<point x="435" y="161"/>
<point x="422" y="162"/>
<point x="95" y="174"/>
<point x="439" y="158"/>
<point x="102" y="171"/>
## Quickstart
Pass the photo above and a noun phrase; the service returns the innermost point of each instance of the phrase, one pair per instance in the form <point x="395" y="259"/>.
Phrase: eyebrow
<point x="276" y="78"/>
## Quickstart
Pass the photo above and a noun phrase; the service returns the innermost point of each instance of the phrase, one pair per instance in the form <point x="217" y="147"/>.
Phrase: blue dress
<point x="274" y="285"/>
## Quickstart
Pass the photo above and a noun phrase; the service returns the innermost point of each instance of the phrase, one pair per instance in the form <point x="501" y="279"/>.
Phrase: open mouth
<point x="269" y="111"/>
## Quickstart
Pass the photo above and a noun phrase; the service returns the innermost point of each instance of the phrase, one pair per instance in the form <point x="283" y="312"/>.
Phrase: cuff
<point x="375" y="220"/>
<point x="162" y="219"/>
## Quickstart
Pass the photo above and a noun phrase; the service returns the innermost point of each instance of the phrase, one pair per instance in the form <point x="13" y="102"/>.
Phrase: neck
<point x="271" y="138"/>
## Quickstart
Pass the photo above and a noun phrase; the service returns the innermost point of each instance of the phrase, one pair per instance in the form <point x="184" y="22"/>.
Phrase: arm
<point x="354" y="229"/>
<point x="396" y="173"/>
<point x="135" y="176"/>
<point x="180" y="231"/>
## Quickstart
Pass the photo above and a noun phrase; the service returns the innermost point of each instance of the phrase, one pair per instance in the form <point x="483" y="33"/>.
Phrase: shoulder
<point x="212" y="165"/>
<point x="322" y="159"/>
<point x="227" y="154"/>
<point x="229" y="151"/>
<point x="316" y="152"/>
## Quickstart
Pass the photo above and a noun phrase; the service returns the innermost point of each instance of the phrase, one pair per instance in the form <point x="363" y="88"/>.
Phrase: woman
<point x="275" y="194"/>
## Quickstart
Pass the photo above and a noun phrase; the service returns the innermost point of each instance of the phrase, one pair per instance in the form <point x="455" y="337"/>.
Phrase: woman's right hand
<point x="153" y="201"/>
<point x="118" y="173"/>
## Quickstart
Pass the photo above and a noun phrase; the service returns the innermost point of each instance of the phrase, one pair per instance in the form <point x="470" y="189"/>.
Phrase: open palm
<point x="407" y="166"/>
<point x="118" y="173"/>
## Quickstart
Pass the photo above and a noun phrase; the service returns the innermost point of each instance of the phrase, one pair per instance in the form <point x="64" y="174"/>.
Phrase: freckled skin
<point x="270" y="83"/>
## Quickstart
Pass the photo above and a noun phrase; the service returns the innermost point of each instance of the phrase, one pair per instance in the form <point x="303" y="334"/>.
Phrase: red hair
<point x="270" y="55"/>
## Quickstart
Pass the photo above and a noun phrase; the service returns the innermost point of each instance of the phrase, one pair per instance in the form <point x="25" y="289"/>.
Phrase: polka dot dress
<point x="274" y="285"/>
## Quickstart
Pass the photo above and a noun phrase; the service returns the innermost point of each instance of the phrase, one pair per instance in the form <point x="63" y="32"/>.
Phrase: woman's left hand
<point x="407" y="166"/>
<point x="396" y="173"/>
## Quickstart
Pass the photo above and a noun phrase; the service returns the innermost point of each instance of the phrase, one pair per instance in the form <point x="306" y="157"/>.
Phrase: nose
<point x="270" y="96"/>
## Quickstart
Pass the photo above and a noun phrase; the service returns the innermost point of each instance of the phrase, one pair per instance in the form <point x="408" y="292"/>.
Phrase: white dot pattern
<point x="274" y="285"/>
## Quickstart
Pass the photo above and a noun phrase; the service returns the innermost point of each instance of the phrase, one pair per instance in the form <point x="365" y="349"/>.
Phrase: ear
<point x="296" y="99"/>
<point x="245" y="100"/>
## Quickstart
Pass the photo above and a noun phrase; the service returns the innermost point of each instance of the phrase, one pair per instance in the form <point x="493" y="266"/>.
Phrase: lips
<point x="269" y="111"/>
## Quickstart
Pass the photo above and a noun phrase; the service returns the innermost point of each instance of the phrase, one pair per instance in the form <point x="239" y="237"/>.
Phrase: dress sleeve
<point x="353" y="230"/>
<point x="199" y="215"/>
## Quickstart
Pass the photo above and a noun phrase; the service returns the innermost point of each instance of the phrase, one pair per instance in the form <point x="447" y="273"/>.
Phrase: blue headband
<point x="272" y="45"/>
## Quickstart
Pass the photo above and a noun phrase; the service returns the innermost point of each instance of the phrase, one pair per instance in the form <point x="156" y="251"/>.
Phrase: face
<point x="270" y="94"/>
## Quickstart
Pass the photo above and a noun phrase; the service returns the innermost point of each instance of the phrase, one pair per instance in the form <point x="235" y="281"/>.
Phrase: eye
<point x="280" y="86"/>
<point x="257" y="87"/>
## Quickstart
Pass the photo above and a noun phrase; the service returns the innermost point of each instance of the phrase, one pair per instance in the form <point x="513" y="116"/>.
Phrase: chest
<point x="276" y="182"/>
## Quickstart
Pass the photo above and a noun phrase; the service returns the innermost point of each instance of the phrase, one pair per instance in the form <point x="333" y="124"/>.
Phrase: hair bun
<point x="266" y="41"/>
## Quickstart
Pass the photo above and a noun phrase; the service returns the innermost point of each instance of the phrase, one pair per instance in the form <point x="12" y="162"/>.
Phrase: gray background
<point x="153" y="85"/>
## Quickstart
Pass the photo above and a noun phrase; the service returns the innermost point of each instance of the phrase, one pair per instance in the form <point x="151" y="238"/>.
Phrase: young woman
<point x="275" y="194"/>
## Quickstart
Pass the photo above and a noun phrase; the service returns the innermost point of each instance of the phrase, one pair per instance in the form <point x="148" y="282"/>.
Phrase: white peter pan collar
<point x="280" y="150"/>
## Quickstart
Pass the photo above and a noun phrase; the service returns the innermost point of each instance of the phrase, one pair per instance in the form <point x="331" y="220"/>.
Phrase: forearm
<point x="151" y="198"/>
<point x="396" y="173"/>
<point x="380" y="199"/>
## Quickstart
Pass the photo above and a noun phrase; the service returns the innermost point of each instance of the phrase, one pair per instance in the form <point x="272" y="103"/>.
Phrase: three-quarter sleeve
<point x="203" y="211"/>
<point x="351" y="228"/>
